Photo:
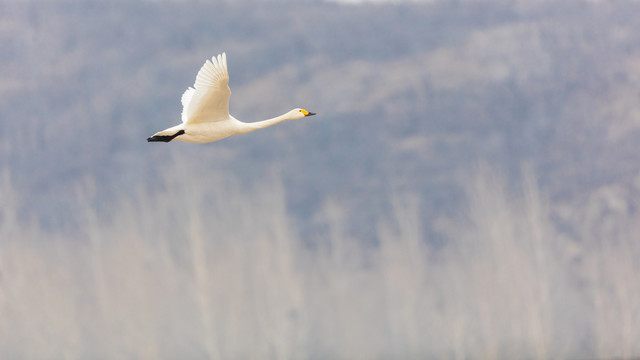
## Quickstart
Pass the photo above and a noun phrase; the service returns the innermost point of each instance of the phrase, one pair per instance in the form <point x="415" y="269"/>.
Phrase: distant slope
<point x="409" y="96"/>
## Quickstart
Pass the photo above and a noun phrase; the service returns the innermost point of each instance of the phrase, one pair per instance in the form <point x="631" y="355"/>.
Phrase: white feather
<point x="186" y="99"/>
<point x="210" y="101"/>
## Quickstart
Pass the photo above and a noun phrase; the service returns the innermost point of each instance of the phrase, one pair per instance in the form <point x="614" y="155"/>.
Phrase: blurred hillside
<point x="453" y="128"/>
<point x="410" y="96"/>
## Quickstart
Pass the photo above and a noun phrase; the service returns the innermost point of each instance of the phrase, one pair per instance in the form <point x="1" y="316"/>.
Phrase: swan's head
<point x="299" y="114"/>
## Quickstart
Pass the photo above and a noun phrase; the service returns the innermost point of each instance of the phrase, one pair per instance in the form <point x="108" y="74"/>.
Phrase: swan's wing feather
<point x="186" y="99"/>
<point x="210" y="100"/>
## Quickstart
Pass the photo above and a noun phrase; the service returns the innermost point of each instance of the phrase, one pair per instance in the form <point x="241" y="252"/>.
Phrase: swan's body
<point x="205" y="109"/>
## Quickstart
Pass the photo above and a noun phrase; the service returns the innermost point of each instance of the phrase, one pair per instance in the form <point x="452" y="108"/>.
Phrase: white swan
<point x="205" y="109"/>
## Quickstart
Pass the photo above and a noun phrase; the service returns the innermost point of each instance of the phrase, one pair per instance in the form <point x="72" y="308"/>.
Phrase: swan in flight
<point x="205" y="109"/>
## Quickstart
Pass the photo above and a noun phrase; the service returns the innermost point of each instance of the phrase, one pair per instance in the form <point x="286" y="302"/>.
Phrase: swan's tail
<point x="164" y="138"/>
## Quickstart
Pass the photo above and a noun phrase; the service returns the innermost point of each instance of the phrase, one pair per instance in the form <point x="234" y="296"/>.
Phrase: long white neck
<point x="248" y="127"/>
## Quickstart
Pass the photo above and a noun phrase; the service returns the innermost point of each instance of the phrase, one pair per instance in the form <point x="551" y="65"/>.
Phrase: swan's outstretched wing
<point x="209" y="101"/>
<point x="186" y="99"/>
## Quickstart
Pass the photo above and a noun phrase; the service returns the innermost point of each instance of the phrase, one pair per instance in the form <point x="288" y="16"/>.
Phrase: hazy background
<point x="469" y="188"/>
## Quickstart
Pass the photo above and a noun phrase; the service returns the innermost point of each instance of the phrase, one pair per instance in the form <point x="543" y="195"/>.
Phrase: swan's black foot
<point x="164" y="138"/>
